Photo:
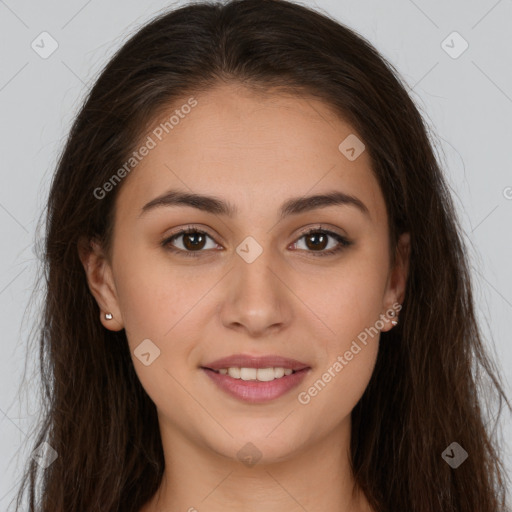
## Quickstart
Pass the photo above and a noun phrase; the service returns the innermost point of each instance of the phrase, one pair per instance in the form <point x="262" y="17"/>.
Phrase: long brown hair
<point x="427" y="389"/>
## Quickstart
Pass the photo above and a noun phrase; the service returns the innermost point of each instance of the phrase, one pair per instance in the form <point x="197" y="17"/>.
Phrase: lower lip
<point x="255" y="391"/>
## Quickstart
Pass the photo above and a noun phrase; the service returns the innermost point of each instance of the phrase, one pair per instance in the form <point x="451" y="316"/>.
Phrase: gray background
<point x="467" y="101"/>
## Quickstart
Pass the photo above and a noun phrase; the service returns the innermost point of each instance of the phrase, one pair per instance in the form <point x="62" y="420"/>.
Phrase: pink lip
<point x="254" y="391"/>
<point x="248" y="361"/>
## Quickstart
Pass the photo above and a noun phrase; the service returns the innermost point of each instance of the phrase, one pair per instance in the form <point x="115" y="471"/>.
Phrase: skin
<point x="255" y="151"/>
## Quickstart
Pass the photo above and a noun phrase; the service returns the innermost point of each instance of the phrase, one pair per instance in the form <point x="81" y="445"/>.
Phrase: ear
<point x="101" y="283"/>
<point x="397" y="281"/>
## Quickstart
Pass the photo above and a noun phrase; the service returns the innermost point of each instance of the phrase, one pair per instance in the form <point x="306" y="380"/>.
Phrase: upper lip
<point x="248" y="361"/>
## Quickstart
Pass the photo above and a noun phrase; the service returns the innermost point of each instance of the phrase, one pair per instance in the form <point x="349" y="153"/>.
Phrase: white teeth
<point x="279" y="372"/>
<point x="234" y="372"/>
<point x="248" y="373"/>
<point x="266" y="374"/>
<point x="261" y="374"/>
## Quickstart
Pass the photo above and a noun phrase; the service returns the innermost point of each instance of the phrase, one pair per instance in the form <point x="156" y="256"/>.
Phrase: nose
<point x="257" y="299"/>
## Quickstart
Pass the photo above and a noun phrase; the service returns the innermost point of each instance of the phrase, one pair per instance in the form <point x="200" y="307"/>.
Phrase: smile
<point x="256" y="385"/>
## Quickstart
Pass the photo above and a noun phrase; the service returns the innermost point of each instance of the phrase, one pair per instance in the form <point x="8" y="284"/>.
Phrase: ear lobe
<point x="101" y="283"/>
<point x="395" y="292"/>
<point x="402" y="265"/>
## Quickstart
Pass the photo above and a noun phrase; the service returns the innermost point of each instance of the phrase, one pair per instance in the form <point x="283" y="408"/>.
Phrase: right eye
<point x="194" y="240"/>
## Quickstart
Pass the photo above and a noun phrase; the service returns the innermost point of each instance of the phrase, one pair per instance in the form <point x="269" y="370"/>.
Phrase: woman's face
<point x="251" y="282"/>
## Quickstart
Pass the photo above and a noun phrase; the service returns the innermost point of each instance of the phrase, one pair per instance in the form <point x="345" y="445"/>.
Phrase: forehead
<point x="251" y="149"/>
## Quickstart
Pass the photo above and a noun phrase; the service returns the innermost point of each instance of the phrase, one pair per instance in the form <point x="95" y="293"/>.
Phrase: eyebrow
<point x="217" y="206"/>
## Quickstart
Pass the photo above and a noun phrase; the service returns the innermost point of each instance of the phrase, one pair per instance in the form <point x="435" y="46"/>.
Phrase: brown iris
<point x="198" y="242"/>
<point x="315" y="244"/>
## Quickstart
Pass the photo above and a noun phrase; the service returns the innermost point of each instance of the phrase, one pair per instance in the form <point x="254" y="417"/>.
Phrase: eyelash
<point x="343" y="242"/>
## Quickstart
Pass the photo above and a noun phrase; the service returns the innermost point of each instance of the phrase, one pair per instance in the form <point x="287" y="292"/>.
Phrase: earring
<point x="108" y="316"/>
<point x="393" y="314"/>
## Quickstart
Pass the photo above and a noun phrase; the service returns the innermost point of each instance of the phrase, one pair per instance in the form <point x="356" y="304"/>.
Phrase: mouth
<point x="256" y="362"/>
<point x="258" y="374"/>
<point x="256" y="379"/>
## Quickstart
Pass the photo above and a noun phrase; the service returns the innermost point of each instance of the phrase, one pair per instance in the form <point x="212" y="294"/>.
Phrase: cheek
<point x="339" y="381"/>
<point x="334" y="393"/>
<point x="161" y="303"/>
<point x="153" y="294"/>
<point x="159" y="307"/>
<point x="350" y="298"/>
<point x="350" y="304"/>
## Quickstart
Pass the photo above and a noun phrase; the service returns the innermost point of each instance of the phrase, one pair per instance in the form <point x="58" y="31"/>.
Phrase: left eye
<point x="194" y="240"/>
<point x="317" y="238"/>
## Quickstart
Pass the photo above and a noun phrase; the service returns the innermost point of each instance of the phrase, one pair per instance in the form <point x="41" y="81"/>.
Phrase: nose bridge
<point x="257" y="298"/>
<point x="253" y="270"/>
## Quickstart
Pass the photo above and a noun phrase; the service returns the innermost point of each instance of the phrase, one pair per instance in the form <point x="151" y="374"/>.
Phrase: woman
<point x="257" y="295"/>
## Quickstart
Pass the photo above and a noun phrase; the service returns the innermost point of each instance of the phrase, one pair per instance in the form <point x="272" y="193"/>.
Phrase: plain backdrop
<point x="465" y="94"/>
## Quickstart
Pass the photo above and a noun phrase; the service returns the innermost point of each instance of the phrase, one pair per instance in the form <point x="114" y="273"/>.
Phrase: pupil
<point x="193" y="245"/>
<point x="315" y="244"/>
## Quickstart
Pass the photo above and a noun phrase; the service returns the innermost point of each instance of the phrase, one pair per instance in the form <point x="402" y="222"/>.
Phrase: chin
<point x="252" y="444"/>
